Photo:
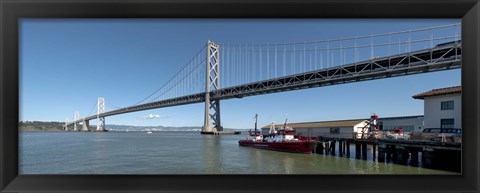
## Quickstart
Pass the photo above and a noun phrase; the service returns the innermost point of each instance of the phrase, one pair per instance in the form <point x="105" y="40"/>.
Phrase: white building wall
<point x="358" y="128"/>
<point x="408" y="124"/>
<point x="433" y="113"/>
<point x="345" y="132"/>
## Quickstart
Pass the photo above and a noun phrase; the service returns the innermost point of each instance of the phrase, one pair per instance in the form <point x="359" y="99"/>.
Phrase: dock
<point x="221" y="133"/>
<point x="427" y="154"/>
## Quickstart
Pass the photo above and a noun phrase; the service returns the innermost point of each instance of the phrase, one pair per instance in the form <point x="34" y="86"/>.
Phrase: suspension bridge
<point x="225" y="71"/>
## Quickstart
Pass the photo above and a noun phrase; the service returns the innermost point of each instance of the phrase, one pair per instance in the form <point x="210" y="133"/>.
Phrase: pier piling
<point x="389" y="153"/>
<point x="327" y="148"/>
<point x="364" y="150"/>
<point x="340" y="148"/>
<point x="413" y="156"/>
<point x="400" y="154"/>
<point x="381" y="153"/>
<point x="436" y="155"/>
<point x="427" y="157"/>
<point x="320" y="147"/>
<point x="333" y="147"/>
<point x="348" y="149"/>
<point x="357" y="150"/>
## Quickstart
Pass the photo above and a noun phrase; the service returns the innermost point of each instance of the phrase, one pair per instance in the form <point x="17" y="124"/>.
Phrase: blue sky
<point x="65" y="64"/>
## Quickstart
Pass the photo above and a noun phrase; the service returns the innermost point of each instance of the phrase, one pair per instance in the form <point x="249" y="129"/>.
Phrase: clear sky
<point x="66" y="64"/>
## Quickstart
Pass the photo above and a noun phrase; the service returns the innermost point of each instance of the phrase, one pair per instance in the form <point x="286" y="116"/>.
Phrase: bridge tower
<point x="212" y="107"/>
<point x="85" y="125"/>
<point x="75" y="119"/>
<point x="100" y="110"/>
<point x="66" y="124"/>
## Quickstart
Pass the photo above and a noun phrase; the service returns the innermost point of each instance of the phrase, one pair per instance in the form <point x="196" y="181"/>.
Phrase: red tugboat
<point x="282" y="140"/>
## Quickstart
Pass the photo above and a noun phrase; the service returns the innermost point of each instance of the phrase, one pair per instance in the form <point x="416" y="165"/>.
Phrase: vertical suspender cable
<point x="247" y="66"/>
<point x="341" y="52"/>
<point x="316" y="55"/>
<point x="222" y="69"/>
<point x="409" y="40"/>
<point x="260" y="63"/>
<point x="371" y="47"/>
<point x="304" y="57"/>
<point x="291" y="62"/>
<point x="310" y="60"/>
<point x="321" y="58"/>
<point x="409" y="45"/>
<point x="399" y="48"/>
<point x="275" y="61"/>
<point x="328" y="53"/>
<point x="284" y="59"/>
<point x="294" y="62"/>
<point x="431" y="44"/>
<point x="355" y="51"/>
<point x="237" y="66"/>
<point x="268" y="62"/>
<point x="252" y="64"/>
<point x="240" y="65"/>
<point x="389" y="45"/>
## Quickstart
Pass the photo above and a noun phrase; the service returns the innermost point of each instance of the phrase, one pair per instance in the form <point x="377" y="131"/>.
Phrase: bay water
<point x="179" y="153"/>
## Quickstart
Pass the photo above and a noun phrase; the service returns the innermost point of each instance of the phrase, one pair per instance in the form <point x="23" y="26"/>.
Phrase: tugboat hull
<point x="303" y="146"/>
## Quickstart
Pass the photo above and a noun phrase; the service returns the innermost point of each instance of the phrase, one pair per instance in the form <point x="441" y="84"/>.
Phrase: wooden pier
<point x="427" y="154"/>
<point x="221" y="133"/>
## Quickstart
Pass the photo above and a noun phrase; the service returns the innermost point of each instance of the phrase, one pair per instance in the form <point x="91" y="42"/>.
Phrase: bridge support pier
<point x="101" y="124"/>
<point x="75" y="119"/>
<point x="212" y="124"/>
<point x="65" y="128"/>
<point x="85" y="125"/>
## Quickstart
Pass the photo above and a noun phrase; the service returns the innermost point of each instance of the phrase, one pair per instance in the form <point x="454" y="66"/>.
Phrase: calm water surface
<point x="178" y="153"/>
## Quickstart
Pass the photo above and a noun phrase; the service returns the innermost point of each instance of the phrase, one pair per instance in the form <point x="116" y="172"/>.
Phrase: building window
<point x="335" y="130"/>
<point x="447" y="105"/>
<point x="447" y="123"/>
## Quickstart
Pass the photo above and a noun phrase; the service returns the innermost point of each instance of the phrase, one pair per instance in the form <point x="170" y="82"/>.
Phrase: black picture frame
<point x="12" y="10"/>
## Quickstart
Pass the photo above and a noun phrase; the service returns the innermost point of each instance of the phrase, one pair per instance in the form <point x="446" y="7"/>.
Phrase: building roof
<point x="438" y="92"/>
<point x="401" y="117"/>
<point x="340" y="123"/>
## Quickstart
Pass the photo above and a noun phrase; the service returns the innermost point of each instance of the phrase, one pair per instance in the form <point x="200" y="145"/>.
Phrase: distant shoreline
<point x="43" y="126"/>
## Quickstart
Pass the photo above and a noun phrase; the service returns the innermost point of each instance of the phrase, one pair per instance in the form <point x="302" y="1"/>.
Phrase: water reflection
<point x="180" y="153"/>
<point x="212" y="162"/>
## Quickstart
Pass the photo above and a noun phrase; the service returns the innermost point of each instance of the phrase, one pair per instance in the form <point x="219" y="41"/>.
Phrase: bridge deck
<point x="428" y="60"/>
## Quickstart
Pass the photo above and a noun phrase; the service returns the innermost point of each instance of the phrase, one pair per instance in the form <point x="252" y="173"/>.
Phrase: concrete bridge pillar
<point x="75" y="119"/>
<point x="212" y="122"/>
<point x="85" y="125"/>
<point x="66" y="125"/>
<point x="101" y="124"/>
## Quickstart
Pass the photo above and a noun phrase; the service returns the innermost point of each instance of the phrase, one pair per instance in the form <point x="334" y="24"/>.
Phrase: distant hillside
<point x="40" y="126"/>
<point x="58" y="126"/>
<point x="151" y="128"/>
